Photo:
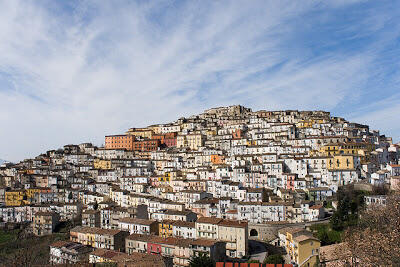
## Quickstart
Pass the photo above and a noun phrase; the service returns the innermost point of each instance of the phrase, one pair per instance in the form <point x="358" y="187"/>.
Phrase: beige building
<point x="136" y="243"/>
<point x="65" y="252"/>
<point x="182" y="253"/>
<point x="102" y="164"/>
<point x="235" y="234"/>
<point x="91" y="218"/>
<point x="141" y="132"/>
<point x="207" y="227"/>
<point x="192" y="141"/>
<point x="99" y="238"/>
<point x="44" y="223"/>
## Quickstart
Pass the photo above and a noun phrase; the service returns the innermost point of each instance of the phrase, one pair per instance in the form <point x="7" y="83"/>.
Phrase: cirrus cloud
<point x="74" y="71"/>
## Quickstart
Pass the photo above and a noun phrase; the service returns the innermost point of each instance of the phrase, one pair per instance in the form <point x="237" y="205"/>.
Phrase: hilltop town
<point x="209" y="184"/>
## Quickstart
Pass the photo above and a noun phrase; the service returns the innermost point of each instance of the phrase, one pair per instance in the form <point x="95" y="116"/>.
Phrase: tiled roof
<point x="136" y="221"/>
<point x="210" y="220"/>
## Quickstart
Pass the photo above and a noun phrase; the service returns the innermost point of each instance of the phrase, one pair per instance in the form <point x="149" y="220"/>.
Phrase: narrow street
<point x="257" y="250"/>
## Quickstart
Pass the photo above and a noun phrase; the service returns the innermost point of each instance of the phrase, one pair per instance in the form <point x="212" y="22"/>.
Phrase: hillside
<point x="229" y="166"/>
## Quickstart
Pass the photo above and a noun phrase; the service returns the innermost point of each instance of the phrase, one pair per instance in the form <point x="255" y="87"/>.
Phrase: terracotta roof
<point x="207" y="201"/>
<point x="105" y="253"/>
<point x="184" y="224"/>
<point x="136" y="221"/>
<point x="290" y="230"/>
<point x="95" y="230"/>
<point x="59" y="244"/>
<point x="139" y="237"/>
<point x="230" y="223"/>
<point x="302" y="238"/>
<point x="232" y="211"/>
<point x="210" y="220"/>
<point x="177" y="212"/>
<point x="203" y="242"/>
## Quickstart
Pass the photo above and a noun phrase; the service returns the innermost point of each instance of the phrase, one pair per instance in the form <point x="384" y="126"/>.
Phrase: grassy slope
<point x="18" y="249"/>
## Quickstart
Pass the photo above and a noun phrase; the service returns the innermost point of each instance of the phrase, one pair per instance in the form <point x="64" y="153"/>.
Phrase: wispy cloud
<point x="74" y="71"/>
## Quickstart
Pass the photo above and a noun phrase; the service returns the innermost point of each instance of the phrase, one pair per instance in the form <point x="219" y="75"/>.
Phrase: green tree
<point x="274" y="259"/>
<point x="326" y="234"/>
<point x="201" y="260"/>
<point x="350" y="202"/>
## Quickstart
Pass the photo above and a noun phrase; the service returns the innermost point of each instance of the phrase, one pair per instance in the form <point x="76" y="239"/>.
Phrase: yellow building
<point x="330" y="150"/>
<point x="16" y="198"/>
<point x="91" y="237"/>
<point x="305" y="124"/>
<point x="141" y="132"/>
<point x="168" y="177"/>
<point x="102" y="164"/>
<point x="30" y="192"/>
<point x="165" y="228"/>
<point x="341" y="162"/>
<point x="211" y="133"/>
<point x="251" y="143"/>
<point x="302" y="248"/>
<point x="84" y="237"/>
<point x="155" y="128"/>
<point x="165" y="178"/>
<point x="308" y="123"/>
<point x="361" y="149"/>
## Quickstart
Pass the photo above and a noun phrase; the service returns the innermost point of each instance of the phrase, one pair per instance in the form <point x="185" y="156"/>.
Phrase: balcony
<point x="180" y="256"/>
<point x="177" y="262"/>
<point x="208" y="231"/>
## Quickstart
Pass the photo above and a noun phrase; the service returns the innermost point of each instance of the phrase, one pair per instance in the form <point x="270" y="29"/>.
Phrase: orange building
<point x="119" y="142"/>
<point x="217" y="159"/>
<point x="238" y="134"/>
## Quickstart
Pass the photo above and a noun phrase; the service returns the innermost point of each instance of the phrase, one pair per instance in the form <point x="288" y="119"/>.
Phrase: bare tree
<point x="24" y="258"/>
<point x="375" y="241"/>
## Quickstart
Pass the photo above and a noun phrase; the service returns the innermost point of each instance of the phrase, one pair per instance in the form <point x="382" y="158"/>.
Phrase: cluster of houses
<point x="195" y="184"/>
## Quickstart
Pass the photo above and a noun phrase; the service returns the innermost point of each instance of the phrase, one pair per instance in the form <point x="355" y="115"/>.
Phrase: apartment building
<point x="65" y="252"/>
<point x="99" y="238"/>
<point x="44" y="223"/>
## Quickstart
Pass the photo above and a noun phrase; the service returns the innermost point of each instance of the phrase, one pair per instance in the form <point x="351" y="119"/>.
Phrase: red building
<point x="170" y="142"/>
<point x="129" y="142"/>
<point x="168" y="139"/>
<point x="290" y="178"/>
<point x="146" y="145"/>
<point x="153" y="247"/>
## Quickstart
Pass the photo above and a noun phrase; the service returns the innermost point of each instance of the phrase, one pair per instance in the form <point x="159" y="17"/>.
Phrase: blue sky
<point x="74" y="71"/>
